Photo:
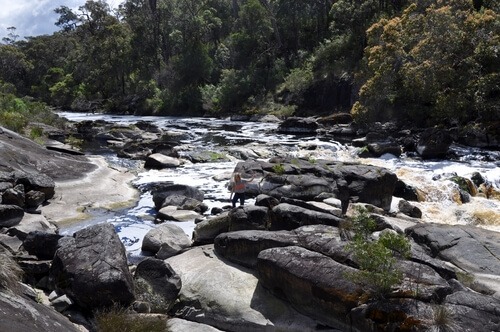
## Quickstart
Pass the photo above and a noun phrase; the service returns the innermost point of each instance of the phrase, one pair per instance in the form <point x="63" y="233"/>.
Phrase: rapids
<point x="441" y="204"/>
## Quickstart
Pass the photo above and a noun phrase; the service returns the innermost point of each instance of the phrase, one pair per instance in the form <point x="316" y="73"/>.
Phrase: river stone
<point x="91" y="268"/>
<point x="206" y="230"/>
<point x="163" y="190"/>
<point x="185" y="203"/>
<point x="243" y="247"/>
<point x="10" y="215"/>
<point x="14" y="196"/>
<point x="160" y="161"/>
<point x="34" y="198"/>
<point x="165" y="240"/>
<point x="172" y="213"/>
<point x="297" y="125"/>
<point x="409" y="209"/>
<point x="38" y="182"/>
<point x="229" y="298"/>
<point x="433" y="143"/>
<point x="249" y="217"/>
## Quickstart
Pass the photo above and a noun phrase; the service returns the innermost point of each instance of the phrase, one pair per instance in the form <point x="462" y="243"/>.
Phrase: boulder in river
<point x="91" y="268"/>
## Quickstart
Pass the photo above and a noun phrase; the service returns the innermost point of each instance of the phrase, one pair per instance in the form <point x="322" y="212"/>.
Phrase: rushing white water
<point x="430" y="177"/>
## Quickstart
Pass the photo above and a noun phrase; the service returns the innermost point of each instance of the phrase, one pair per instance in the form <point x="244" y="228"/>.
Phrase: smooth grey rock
<point x="10" y="215"/>
<point x="165" y="240"/>
<point x="229" y="298"/>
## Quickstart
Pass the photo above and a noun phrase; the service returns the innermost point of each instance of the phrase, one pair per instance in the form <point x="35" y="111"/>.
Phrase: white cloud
<point x="34" y="17"/>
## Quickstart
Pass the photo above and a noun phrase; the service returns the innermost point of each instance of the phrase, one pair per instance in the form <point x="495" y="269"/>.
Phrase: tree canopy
<point x="423" y="62"/>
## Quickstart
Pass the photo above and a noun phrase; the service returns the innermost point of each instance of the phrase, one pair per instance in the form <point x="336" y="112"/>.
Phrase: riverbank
<point x="106" y="188"/>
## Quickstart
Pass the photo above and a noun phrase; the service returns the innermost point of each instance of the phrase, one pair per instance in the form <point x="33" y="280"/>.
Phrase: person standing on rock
<point x="343" y="195"/>
<point x="238" y="188"/>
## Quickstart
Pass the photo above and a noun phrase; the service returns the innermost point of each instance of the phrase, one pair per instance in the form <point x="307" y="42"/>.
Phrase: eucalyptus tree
<point x="100" y="63"/>
<point x="436" y="63"/>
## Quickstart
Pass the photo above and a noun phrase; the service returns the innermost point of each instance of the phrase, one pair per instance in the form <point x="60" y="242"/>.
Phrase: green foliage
<point x="362" y="224"/>
<point x="398" y="243"/>
<point x="74" y="142"/>
<point x="420" y="62"/>
<point x="431" y="65"/>
<point x="376" y="258"/>
<point x="118" y="319"/>
<point x="279" y="169"/>
<point x="10" y="273"/>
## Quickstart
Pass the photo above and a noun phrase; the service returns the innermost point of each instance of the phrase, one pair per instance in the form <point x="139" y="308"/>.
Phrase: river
<point x="221" y="134"/>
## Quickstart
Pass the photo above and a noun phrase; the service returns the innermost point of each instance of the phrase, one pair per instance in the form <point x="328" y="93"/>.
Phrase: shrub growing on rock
<point x="376" y="259"/>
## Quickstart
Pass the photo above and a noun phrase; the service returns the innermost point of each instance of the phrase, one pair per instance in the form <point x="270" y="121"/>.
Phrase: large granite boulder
<point x="157" y="284"/>
<point x="160" y="161"/>
<point x="91" y="268"/>
<point x="315" y="284"/>
<point x="207" y="230"/>
<point x="295" y="178"/>
<point x="229" y="298"/>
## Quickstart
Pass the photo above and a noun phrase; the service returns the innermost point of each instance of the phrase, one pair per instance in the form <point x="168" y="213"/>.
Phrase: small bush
<point x="118" y="319"/>
<point x="376" y="258"/>
<point x="398" y="243"/>
<point x="10" y="273"/>
<point x="279" y="169"/>
<point x="443" y="320"/>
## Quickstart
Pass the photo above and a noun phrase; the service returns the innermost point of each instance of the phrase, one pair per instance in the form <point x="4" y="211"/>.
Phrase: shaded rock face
<point x="312" y="282"/>
<point x="42" y="245"/>
<point x="91" y="268"/>
<point x="433" y="144"/>
<point x="157" y="284"/>
<point x="298" y="125"/>
<point x="10" y="215"/>
<point x="287" y="217"/>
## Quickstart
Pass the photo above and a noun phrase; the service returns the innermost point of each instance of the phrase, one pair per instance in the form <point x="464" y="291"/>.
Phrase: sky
<point x="35" y="17"/>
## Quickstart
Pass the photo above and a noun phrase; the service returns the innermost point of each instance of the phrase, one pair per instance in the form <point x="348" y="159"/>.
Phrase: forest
<point x="414" y="62"/>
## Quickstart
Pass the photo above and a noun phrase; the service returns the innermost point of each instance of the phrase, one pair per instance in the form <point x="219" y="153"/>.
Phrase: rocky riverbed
<point x="280" y="263"/>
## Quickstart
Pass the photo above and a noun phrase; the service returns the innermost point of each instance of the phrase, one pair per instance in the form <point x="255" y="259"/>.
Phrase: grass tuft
<point x="10" y="273"/>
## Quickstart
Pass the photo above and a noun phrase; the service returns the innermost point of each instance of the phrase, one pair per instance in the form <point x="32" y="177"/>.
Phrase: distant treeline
<point x="423" y="62"/>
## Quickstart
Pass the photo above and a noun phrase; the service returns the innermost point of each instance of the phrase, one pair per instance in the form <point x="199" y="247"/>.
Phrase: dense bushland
<point x="420" y="62"/>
